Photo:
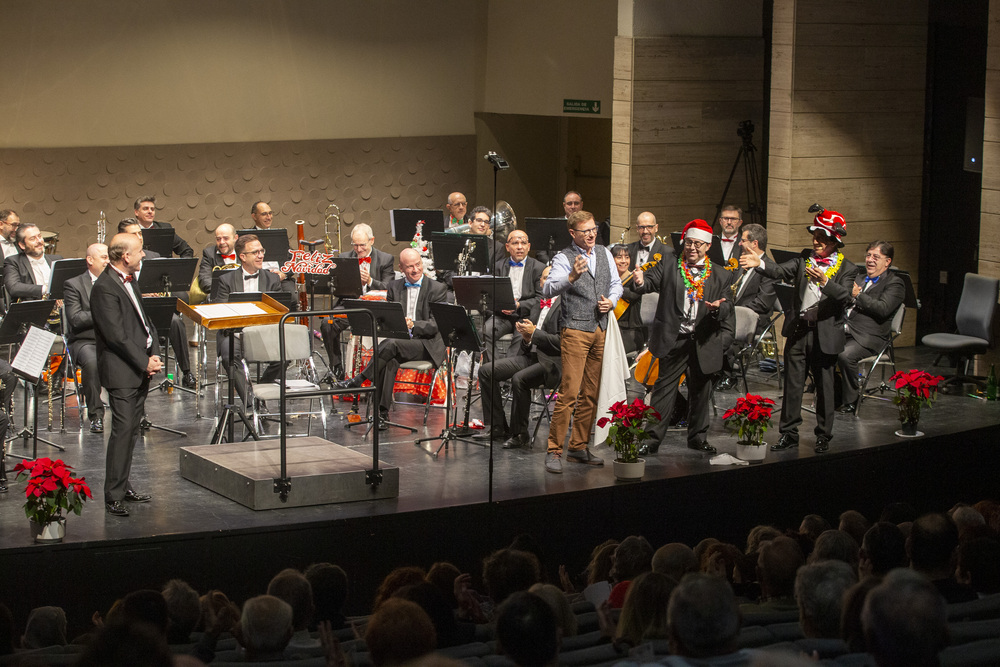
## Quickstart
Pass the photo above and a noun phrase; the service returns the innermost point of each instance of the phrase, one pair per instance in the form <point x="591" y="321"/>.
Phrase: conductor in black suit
<point x="416" y="292"/>
<point x="648" y="246"/>
<point x="128" y="356"/>
<point x="82" y="339"/>
<point x="814" y="327"/>
<point x="876" y="296"/>
<point x="376" y="271"/>
<point x="26" y="275"/>
<point x="524" y="273"/>
<point x="249" y="278"/>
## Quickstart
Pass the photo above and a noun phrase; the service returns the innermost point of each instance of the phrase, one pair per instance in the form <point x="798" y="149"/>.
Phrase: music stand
<point x="160" y="241"/>
<point x="390" y="322"/>
<point x="160" y="311"/>
<point x="910" y="298"/>
<point x="403" y="222"/>
<point x="286" y="299"/>
<point x="63" y="270"/>
<point x="167" y="274"/>
<point x="782" y="256"/>
<point x="13" y="328"/>
<point x="484" y="293"/>
<point x="547" y="235"/>
<point x="344" y="279"/>
<point x="275" y="244"/>
<point x="448" y="247"/>
<point x="213" y="295"/>
<point x="459" y="333"/>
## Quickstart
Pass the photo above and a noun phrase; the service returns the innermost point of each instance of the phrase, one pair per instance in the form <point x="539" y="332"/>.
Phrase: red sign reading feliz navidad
<point x="303" y="261"/>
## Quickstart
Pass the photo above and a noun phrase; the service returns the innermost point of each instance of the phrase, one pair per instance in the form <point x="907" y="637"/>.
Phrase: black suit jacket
<point x="380" y="270"/>
<point x="715" y="251"/>
<point x="870" y="322"/>
<point x="120" y="334"/>
<point x="180" y="247"/>
<point x="530" y="292"/>
<point x="424" y="326"/>
<point x="19" y="279"/>
<point x="835" y="296"/>
<point x="76" y="301"/>
<point x="713" y="332"/>
<point x="657" y="247"/>
<point x="545" y="342"/>
<point x="758" y="295"/>
<point x="210" y="258"/>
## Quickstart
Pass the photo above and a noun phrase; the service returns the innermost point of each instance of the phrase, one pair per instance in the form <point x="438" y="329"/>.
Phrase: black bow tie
<point x="250" y="276"/>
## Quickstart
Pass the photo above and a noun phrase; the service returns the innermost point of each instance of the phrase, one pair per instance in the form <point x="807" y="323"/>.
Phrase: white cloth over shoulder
<point x="614" y="373"/>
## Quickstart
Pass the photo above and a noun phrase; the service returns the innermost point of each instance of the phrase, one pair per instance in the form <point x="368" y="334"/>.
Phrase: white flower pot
<point x="751" y="453"/>
<point x="49" y="533"/>
<point x="629" y="472"/>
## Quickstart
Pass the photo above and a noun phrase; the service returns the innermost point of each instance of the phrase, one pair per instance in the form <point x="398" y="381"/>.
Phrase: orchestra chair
<point x="886" y="357"/>
<point x="420" y="368"/>
<point x="973" y="323"/>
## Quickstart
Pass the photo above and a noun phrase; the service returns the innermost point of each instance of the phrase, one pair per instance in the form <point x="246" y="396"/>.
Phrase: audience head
<point x="632" y="557"/>
<point x="968" y="521"/>
<point x="778" y="561"/>
<point x="401" y="576"/>
<point x="599" y="568"/>
<point x="291" y="586"/>
<point x="850" y="615"/>
<point x="399" y="631"/>
<point x="932" y="544"/>
<point x="813" y="525"/>
<point x="819" y="590"/>
<point x="675" y="560"/>
<point x="527" y="542"/>
<point x="183" y="610"/>
<point x="702" y="547"/>
<point x="46" y="626"/>
<point x="759" y="534"/>
<point x="905" y="621"/>
<point x="509" y="570"/>
<point x="527" y="630"/>
<point x="703" y="619"/>
<point x="126" y="644"/>
<point x="979" y="565"/>
<point x="556" y="599"/>
<point x="835" y="545"/>
<point x="644" y="614"/>
<point x="430" y="598"/>
<point x="443" y="575"/>
<point x="329" y="590"/>
<point x="854" y="524"/>
<point x="882" y="549"/>
<point x="145" y="606"/>
<point x="265" y="627"/>
<point x="991" y="512"/>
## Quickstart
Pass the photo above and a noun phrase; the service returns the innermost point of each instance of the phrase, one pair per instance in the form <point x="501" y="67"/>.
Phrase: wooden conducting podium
<point x="246" y="472"/>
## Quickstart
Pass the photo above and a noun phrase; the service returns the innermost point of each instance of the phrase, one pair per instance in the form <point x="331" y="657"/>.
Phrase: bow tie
<point x="409" y="284"/>
<point x="822" y="261"/>
<point x="725" y="240"/>
<point x="250" y="276"/>
<point x="513" y="263"/>
<point x="364" y="260"/>
<point x="869" y="279"/>
<point x="546" y="303"/>
<point x="230" y="258"/>
<point x="127" y="279"/>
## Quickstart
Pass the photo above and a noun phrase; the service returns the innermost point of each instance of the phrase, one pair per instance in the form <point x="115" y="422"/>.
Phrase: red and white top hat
<point x="698" y="230"/>
<point x="832" y="223"/>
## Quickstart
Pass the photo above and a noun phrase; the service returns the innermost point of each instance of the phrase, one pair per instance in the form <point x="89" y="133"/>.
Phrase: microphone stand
<point x="498" y="164"/>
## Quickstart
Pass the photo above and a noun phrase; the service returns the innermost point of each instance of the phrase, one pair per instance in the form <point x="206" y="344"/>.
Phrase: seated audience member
<point x="144" y="606"/>
<point x="991" y="512"/>
<point x="633" y="556"/>
<point x="758" y="535"/>
<point x="265" y="628"/>
<point x="630" y="320"/>
<point x="183" y="610"/>
<point x="556" y="599"/>
<point x="739" y="569"/>
<point x="46" y="626"/>
<point x="851" y="630"/>
<point x="835" y="545"/>
<point x="291" y="586"/>
<point x="905" y="621"/>
<point x="855" y="524"/>
<point x="932" y="547"/>
<point x="448" y="630"/>
<point x="644" y="614"/>
<point x="968" y="520"/>
<point x="443" y="575"/>
<point x="127" y="644"/>
<point x="703" y="621"/>
<point x="675" y="560"/>
<point x="813" y="525"/>
<point x="778" y="561"/>
<point x="82" y="340"/>
<point x="508" y="571"/>
<point x="883" y="548"/>
<point x="979" y="566"/>
<point x="528" y="631"/>
<point x="329" y="587"/>
<point x="819" y="590"/>
<point x="399" y="631"/>
<point x="395" y="580"/>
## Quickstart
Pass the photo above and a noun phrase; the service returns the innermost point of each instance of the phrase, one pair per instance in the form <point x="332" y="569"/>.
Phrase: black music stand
<point x="161" y="310"/>
<point x="459" y="333"/>
<point x="167" y="274"/>
<point x="63" y="270"/>
<point x="342" y="282"/>
<point x="213" y="294"/>
<point x="275" y="244"/>
<point x="782" y="256"/>
<point x="160" y="241"/>
<point x="484" y="293"/>
<point x="403" y="222"/>
<point x="548" y="235"/>
<point x="13" y="328"/>
<point x="286" y="299"/>
<point x="910" y="299"/>
<point x="448" y="247"/>
<point x="390" y="322"/>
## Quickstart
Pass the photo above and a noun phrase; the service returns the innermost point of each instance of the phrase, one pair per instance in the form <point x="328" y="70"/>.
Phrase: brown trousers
<point x="582" y="354"/>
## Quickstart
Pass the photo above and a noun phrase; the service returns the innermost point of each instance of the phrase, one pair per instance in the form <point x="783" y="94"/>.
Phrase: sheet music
<point x="237" y="309"/>
<point x="34" y="352"/>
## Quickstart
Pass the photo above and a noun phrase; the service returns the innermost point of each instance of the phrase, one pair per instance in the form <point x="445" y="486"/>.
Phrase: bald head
<point x="225" y="238"/>
<point x="125" y="252"/>
<point x="646" y="224"/>
<point x="411" y="264"/>
<point x="457" y="206"/>
<point x="517" y="245"/>
<point x="97" y="258"/>
<point x="675" y="560"/>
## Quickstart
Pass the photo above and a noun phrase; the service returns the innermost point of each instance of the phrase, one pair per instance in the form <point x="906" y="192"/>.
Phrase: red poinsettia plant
<point x="628" y="427"/>
<point x="51" y="489"/>
<point x="913" y="389"/>
<point x="750" y="419"/>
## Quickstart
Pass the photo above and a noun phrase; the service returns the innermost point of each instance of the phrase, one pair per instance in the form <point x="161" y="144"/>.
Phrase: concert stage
<point x="448" y="509"/>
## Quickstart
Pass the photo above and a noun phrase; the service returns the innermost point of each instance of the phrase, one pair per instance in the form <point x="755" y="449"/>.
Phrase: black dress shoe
<point x="516" y="441"/>
<point x="584" y="456"/>
<point x="188" y="380"/>
<point x="703" y="447"/>
<point x="116" y="508"/>
<point x="97" y="425"/>
<point x="338" y="372"/>
<point x="353" y="383"/>
<point x="848" y="408"/>
<point x="725" y="383"/>
<point x="133" y="497"/>
<point x="651" y="447"/>
<point x="487" y="434"/>
<point x="822" y="444"/>
<point x="784" y="442"/>
<point x="3" y="486"/>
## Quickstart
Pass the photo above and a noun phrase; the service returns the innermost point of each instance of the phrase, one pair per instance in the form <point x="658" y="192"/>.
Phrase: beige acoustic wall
<point x="847" y="115"/>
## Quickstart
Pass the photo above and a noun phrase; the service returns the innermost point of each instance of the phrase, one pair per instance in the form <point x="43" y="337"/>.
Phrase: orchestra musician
<point x="524" y="273"/>
<point x="82" y="339"/>
<point x="649" y="244"/>
<point x="26" y="275"/>
<point x="216" y="255"/>
<point x="456" y="207"/>
<point x="263" y="218"/>
<point x="629" y="308"/>
<point x="9" y="222"/>
<point x="145" y="212"/>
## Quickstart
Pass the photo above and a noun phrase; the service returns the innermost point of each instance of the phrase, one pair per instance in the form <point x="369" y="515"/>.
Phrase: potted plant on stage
<point x="627" y="430"/>
<point x="51" y="489"/>
<point x="913" y="389"/>
<point x="749" y="421"/>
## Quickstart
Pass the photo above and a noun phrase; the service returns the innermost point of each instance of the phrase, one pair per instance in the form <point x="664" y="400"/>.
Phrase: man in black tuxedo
<point x="26" y="275"/>
<point x="532" y="360"/>
<point x="752" y="290"/>
<point x="814" y="327"/>
<point x="127" y="357"/>
<point x="416" y="292"/>
<point x="648" y="246"/>
<point x="524" y="273"/>
<point x="455" y="210"/>
<point x="263" y="218"/>
<point x="251" y="277"/>
<point x="876" y="296"/>
<point x="145" y="211"/>
<point x="9" y="222"/>
<point x="376" y="271"/>
<point x="82" y="339"/>
<point x="220" y="253"/>
<point x="694" y="324"/>
<point x="729" y="247"/>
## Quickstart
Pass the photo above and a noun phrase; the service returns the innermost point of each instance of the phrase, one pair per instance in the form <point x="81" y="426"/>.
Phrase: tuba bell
<point x="504" y="221"/>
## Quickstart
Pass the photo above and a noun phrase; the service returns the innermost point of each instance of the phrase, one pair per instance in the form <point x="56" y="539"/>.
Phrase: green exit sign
<point x="582" y="106"/>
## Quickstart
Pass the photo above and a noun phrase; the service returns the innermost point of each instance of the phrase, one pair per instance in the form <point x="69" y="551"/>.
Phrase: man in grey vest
<point x="584" y="275"/>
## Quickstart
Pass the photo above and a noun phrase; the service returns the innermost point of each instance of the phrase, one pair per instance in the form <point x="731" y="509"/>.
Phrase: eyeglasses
<point x="359" y="245"/>
<point x="586" y="232"/>
<point x="265" y="213"/>
<point x="692" y="243"/>
<point x="646" y="227"/>
<point x="459" y="203"/>
<point x="252" y="252"/>
<point x="727" y="219"/>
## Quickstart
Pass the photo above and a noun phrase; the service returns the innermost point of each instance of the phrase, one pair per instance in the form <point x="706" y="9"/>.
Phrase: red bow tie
<point x="128" y="279"/>
<point x="823" y="261"/>
<point x="364" y="260"/>
<point x="725" y="240"/>
<point x="546" y="303"/>
<point x="230" y="258"/>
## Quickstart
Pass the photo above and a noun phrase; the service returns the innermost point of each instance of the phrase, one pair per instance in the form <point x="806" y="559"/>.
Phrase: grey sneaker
<point x="553" y="463"/>
<point x="584" y="456"/>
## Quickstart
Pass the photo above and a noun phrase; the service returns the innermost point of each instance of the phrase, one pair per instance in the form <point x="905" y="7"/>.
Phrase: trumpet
<point x="328" y="242"/>
<point x="102" y="227"/>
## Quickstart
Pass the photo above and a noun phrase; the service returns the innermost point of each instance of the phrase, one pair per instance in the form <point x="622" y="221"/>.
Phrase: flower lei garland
<point x="695" y="288"/>
<point x="831" y="271"/>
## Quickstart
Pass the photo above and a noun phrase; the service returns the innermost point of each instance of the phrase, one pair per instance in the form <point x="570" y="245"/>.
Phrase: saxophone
<point x="463" y="257"/>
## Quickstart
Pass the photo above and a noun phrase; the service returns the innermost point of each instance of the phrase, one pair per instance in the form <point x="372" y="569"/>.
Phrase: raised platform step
<point x="321" y="473"/>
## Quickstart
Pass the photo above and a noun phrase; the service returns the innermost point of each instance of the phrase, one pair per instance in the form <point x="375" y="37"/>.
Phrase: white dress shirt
<point x="412" y="294"/>
<point x="516" y="275"/>
<point x="42" y="271"/>
<point x="250" y="284"/>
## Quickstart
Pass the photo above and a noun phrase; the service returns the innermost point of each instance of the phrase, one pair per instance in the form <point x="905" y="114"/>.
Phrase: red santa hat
<point x="832" y="223"/>
<point x="698" y="230"/>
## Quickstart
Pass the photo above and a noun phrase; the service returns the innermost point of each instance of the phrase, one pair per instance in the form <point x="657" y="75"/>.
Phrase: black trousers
<point x="524" y="374"/>
<point x="504" y="326"/>
<point x="391" y="353"/>
<point x="331" y="331"/>
<point x="803" y="353"/>
<point x="682" y="358"/>
<point x="179" y="343"/>
<point x="847" y="361"/>
<point x="9" y="380"/>
<point x="127" y="405"/>
<point x="85" y="356"/>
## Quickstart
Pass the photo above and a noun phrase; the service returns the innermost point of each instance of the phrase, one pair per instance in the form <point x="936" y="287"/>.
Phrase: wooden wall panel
<point x="989" y="218"/>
